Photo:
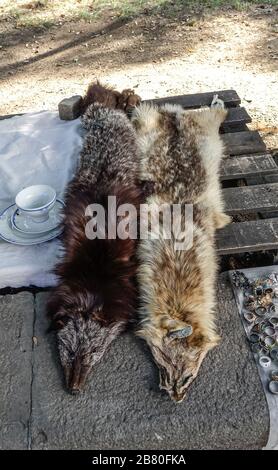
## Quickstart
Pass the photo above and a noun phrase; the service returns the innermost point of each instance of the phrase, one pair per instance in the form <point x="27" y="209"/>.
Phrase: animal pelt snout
<point x="82" y="341"/>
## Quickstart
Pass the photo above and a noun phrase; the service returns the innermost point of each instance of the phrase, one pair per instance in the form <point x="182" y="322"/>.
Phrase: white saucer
<point x="17" y="238"/>
<point x="25" y="224"/>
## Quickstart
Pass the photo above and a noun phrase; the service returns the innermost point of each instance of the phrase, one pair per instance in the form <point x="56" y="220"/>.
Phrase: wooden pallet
<point x="247" y="158"/>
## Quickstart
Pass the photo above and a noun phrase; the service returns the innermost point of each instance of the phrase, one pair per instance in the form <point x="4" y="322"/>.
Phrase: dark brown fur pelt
<point x="110" y="98"/>
<point x="96" y="295"/>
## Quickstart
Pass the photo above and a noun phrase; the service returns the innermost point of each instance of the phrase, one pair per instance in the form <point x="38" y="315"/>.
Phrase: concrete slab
<point x="122" y="407"/>
<point x="16" y="331"/>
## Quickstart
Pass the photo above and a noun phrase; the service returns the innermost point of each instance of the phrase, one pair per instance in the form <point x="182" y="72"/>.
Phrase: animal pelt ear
<point x="57" y="324"/>
<point x="211" y="342"/>
<point x="176" y="329"/>
<point x="204" y="341"/>
<point x="54" y="310"/>
<point x="97" y="314"/>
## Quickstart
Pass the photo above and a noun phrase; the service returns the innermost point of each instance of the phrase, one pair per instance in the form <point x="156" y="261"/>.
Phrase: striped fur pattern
<point x="181" y="154"/>
<point x="96" y="295"/>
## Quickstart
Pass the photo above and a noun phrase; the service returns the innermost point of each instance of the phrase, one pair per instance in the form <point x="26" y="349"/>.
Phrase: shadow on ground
<point x="151" y="37"/>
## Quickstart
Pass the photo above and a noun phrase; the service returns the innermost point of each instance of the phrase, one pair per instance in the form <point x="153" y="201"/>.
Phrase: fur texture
<point x="110" y="98"/>
<point x="96" y="295"/>
<point x="181" y="153"/>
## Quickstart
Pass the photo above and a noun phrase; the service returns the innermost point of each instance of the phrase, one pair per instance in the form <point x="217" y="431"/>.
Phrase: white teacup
<point x="36" y="201"/>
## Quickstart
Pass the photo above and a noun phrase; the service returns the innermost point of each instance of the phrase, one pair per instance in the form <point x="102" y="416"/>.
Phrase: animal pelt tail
<point x="110" y="98"/>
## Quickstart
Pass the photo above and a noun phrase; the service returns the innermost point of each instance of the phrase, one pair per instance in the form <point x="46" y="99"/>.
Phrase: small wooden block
<point x="70" y="108"/>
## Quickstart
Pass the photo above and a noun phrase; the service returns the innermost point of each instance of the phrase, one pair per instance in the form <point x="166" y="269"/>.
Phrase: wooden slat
<point x="236" y="117"/>
<point x="240" y="143"/>
<point x="196" y="100"/>
<point x="251" y="199"/>
<point x="242" y="127"/>
<point x="248" y="166"/>
<point x="272" y="178"/>
<point x="253" y="235"/>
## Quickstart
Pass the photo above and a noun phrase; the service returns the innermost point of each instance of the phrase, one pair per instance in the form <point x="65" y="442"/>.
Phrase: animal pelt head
<point x="82" y="333"/>
<point x="97" y="294"/>
<point x="110" y="98"/>
<point x="178" y="350"/>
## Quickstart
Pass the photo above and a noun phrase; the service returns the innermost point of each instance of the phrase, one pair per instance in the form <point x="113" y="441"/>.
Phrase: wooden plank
<point x="240" y="143"/>
<point x="236" y="117"/>
<point x="242" y="127"/>
<point x="255" y="235"/>
<point x="251" y="199"/>
<point x="262" y="179"/>
<point x="196" y="100"/>
<point x="248" y="166"/>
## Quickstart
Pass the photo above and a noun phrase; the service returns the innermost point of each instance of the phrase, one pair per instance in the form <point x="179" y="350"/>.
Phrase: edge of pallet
<point x="251" y="199"/>
<point x="196" y="100"/>
<point x="237" y="116"/>
<point x="243" y="143"/>
<point x="255" y="235"/>
<point x="248" y="166"/>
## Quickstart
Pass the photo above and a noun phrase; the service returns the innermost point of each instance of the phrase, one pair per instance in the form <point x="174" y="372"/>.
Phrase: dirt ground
<point x="157" y="54"/>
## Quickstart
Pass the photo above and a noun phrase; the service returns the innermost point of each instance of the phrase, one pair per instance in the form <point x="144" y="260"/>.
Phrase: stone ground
<point x="122" y="407"/>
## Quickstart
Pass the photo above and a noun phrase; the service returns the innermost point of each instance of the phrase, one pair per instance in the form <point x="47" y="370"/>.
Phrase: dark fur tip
<point x="97" y="93"/>
<point x="109" y="98"/>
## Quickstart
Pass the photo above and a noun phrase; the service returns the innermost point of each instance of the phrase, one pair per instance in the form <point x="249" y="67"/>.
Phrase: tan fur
<point x="181" y="154"/>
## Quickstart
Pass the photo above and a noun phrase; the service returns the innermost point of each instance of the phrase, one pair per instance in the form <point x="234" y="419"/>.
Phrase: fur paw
<point x="217" y="102"/>
<point x="128" y="99"/>
<point x="221" y="219"/>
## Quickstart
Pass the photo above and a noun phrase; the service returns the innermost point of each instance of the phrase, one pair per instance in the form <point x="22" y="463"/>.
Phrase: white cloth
<point x="35" y="148"/>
